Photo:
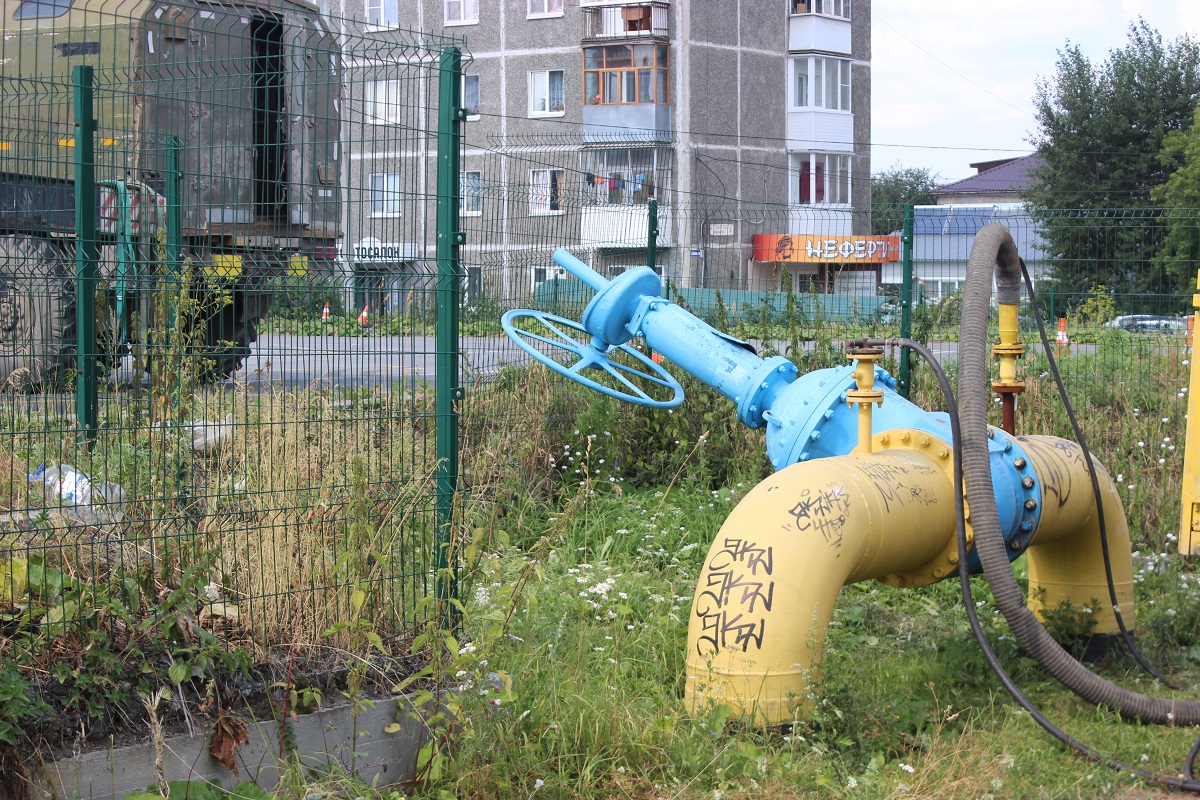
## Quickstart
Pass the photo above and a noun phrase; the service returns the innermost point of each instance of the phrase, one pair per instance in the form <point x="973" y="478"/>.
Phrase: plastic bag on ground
<point x="78" y="496"/>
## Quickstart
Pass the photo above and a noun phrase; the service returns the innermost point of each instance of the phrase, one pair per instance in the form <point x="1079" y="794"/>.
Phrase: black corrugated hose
<point x="1187" y="784"/>
<point x="994" y="253"/>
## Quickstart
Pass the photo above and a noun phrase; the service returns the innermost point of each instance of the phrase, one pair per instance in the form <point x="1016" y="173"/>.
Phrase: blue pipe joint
<point x="763" y="388"/>
<point x="1018" y="495"/>
<point x="616" y="303"/>
<point x="809" y="418"/>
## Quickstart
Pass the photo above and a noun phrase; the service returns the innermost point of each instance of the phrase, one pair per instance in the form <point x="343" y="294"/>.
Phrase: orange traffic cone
<point x="325" y="313"/>
<point x="362" y="318"/>
<point x="1062" y="340"/>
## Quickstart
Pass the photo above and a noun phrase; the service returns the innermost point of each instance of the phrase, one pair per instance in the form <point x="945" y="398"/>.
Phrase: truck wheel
<point x="37" y="312"/>
<point x="228" y="342"/>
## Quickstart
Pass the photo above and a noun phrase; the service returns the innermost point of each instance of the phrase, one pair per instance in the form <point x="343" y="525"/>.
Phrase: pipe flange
<point x="939" y="451"/>
<point x="1020" y="529"/>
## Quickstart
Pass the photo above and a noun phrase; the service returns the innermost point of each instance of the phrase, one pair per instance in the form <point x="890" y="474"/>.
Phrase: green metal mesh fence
<point x="244" y="459"/>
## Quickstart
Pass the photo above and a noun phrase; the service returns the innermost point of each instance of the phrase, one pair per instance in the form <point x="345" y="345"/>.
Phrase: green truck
<point x="247" y="95"/>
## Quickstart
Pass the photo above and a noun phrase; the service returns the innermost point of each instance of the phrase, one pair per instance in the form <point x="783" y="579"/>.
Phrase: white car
<point x="1148" y="323"/>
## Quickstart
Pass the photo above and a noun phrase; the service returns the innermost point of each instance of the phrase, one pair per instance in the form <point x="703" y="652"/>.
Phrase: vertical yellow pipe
<point x="864" y="429"/>
<point x="767" y="590"/>
<point x="1009" y="331"/>
<point x="865" y="393"/>
<point x="1189" y="524"/>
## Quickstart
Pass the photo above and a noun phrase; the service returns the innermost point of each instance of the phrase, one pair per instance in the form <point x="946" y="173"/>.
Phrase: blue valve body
<point x="806" y="416"/>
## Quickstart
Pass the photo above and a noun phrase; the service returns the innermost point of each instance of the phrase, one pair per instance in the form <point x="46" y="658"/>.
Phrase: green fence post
<point x="86" y="255"/>
<point x="652" y="234"/>
<point x="906" y="290"/>
<point x="449" y="270"/>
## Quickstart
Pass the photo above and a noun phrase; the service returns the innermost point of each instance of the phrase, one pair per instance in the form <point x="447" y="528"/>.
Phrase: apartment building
<point x="747" y="122"/>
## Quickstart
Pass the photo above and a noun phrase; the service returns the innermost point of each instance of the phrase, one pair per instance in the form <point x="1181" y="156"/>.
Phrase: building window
<point x="819" y="82"/>
<point x="545" y="191"/>
<point x="470" y="95"/>
<point x="381" y="103"/>
<point x="385" y="194"/>
<point x="462" y="12"/>
<point x="625" y="176"/>
<point x="42" y="9"/>
<point x="383" y="13"/>
<point x="545" y="8"/>
<point x="827" y="8"/>
<point x="546" y="93"/>
<point x="470" y="192"/>
<point x="626" y="73"/>
<point x="821" y="178"/>
<point x="473" y="285"/>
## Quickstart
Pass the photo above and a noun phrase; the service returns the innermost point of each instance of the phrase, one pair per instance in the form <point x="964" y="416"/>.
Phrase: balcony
<point x="625" y="226"/>
<point x="814" y="32"/>
<point x="627" y="122"/>
<point x="818" y="129"/>
<point x="627" y="21"/>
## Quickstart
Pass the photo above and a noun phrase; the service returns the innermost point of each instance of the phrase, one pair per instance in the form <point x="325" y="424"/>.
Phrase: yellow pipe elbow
<point x="1066" y="560"/>
<point x="768" y="587"/>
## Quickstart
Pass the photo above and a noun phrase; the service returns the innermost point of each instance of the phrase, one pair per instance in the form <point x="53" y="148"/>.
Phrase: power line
<point x="984" y="89"/>
<point x="573" y="139"/>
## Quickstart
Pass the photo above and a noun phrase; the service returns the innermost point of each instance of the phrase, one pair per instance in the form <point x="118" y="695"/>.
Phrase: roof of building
<point x="1006" y="176"/>
<point x="947" y="233"/>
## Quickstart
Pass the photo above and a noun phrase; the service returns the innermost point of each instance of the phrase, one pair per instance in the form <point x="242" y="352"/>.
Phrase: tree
<point x="1100" y="131"/>
<point x="1180" y="198"/>
<point x="896" y="187"/>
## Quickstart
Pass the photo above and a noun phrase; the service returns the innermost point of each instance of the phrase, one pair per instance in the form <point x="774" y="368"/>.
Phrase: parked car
<point x="1148" y="323"/>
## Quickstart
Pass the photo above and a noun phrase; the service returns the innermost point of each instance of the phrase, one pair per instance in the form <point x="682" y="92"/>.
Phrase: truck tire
<point x="37" y="312"/>
<point x="229" y="335"/>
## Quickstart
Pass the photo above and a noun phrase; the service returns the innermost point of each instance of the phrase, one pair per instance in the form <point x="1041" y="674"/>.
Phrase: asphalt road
<point x="388" y="362"/>
<point x="366" y="361"/>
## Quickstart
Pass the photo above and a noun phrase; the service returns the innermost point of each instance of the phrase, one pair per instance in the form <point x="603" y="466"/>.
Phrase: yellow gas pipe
<point x="1009" y="350"/>
<point x="865" y="393"/>
<point x="767" y="591"/>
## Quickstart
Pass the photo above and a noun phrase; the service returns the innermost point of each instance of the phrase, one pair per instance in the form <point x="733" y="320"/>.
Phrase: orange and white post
<point x="364" y="316"/>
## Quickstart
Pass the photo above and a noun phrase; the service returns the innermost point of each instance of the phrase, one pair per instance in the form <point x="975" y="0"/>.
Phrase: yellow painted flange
<point x="944" y="563"/>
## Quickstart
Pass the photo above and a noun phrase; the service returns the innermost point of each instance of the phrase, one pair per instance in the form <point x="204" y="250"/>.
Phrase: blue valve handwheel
<point x="560" y="336"/>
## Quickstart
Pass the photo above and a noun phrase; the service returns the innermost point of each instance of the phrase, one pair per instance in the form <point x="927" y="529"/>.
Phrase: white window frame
<point x="839" y="9"/>
<point x="538" y="275"/>
<point x="816" y="78"/>
<point x="460" y="12"/>
<point x="470" y="209"/>
<point x="390" y="102"/>
<point x="546" y="9"/>
<point x="384" y="188"/>
<point x="381" y="8"/>
<point x="540" y="80"/>
<point x="467" y="79"/>
<point x="545" y="192"/>
<point x="835" y="172"/>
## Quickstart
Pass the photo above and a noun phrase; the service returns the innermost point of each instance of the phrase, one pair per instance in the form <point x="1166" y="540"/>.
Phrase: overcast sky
<point x="953" y="81"/>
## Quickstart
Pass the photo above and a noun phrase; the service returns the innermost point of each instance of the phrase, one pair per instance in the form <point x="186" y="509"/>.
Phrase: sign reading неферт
<point x="804" y="248"/>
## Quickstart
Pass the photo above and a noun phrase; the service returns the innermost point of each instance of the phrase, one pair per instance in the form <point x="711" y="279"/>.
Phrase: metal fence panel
<point x="258" y="474"/>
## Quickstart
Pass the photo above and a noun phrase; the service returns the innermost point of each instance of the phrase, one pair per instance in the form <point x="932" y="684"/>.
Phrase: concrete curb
<point x="323" y="739"/>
